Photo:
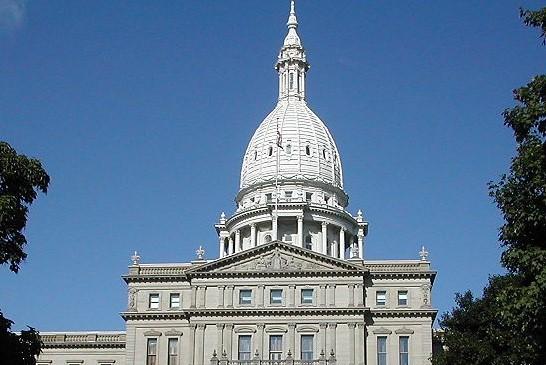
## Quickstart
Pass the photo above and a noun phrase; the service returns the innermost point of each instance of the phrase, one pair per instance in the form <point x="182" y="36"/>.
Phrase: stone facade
<point x="291" y="284"/>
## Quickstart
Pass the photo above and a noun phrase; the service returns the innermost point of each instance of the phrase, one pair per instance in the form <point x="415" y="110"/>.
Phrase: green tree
<point x="21" y="178"/>
<point x="507" y="325"/>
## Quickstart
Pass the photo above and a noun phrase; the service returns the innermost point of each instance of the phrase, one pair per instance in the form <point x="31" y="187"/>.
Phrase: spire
<point x="292" y="64"/>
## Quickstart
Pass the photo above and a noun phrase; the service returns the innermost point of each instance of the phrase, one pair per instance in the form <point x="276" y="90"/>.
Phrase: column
<point x="360" y="295"/>
<point x="221" y="290"/>
<point x="202" y="296"/>
<point x="230" y="246"/>
<point x="351" y="295"/>
<point x="230" y="296"/>
<point x="332" y="300"/>
<point x="253" y="235"/>
<point x="322" y="295"/>
<point x="300" y="233"/>
<point x="351" y="343"/>
<point x="237" y="241"/>
<point x="260" y="296"/>
<point x="292" y="338"/>
<point x="291" y="296"/>
<point x="341" y="243"/>
<point x="324" y="238"/>
<point x="361" y="246"/>
<point x="260" y="340"/>
<point x="332" y="341"/>
<point x="360" y="351"/>
<point x="274" y="227"/>
<point x="220" y="340"/>
<point x="322" y="338"/>
<point x="193" y="296"/>
<point x="222" y="243"/>
<point x="199" y="340"/>
<point x="228" y="339"/>
<point x="191" y="344"/>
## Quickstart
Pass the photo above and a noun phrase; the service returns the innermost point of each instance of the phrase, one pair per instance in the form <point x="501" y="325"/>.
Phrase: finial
<point x="223" y="218"/>
<point x="292" y="20"/>
<point x="135" y="258"/>
<point x="423" y="254"/>
<point x="200" y="252"/>
<point x="359" y="217"/>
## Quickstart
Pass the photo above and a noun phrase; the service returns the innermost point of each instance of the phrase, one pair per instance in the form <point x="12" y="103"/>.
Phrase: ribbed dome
<point x="308" y="149"/>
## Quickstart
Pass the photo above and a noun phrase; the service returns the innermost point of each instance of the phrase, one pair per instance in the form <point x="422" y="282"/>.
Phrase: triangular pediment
<point x="278" y="257"/>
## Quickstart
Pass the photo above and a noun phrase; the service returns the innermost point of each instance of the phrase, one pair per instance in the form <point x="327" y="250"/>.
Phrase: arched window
<point x="324" y="154"/>
<point x="255" y="155"/>
<point x="308" y="150"/>
<point x="270" y="151"/>
<point x="288" y="149"/>
<point x="308" y="242"/>
<point x="267" y="238"/>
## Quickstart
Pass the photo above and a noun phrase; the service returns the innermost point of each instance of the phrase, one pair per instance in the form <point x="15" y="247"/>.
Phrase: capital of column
<point x="252" y="225"/>
<point x="291" y="286"/>
<point x="360" y="325"/>
<point x="323" y="325"/>
<point x="351" y="286"/>
<point x="324" y="224"/>
<point x="220" y="326"/>
<point x="291" y="325"/>
<point x="322" y="286"/>
<point x="332" y="286"/>
<point x="261" y="286"/>
<point x="351" y="325"/>
<point x="332" y="325"/>
<point x="201" y="326"/>
<point x="228" y="326"/>
<point x="260" y="326"/>
<point x="300" y="218"/>
<point x="230" y="286"/>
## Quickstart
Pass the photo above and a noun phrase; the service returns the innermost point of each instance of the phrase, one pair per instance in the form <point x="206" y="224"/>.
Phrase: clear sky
<point x="141" y="112"/>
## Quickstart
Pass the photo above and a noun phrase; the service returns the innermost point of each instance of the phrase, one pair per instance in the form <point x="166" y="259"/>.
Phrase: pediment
<point x="278" y="257"/>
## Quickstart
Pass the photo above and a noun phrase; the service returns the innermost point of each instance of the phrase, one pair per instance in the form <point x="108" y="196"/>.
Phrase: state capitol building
<point x="291" y="284"/>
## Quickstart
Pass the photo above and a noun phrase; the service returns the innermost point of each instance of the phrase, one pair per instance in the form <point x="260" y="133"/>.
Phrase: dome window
<point x="267" y="238"/>
<point x="308" y="150"/>
<point x="255" y="155"/>
<point x="270" y="151"/>
<point x="288" y="149"/>
<point x="325" y="154"/>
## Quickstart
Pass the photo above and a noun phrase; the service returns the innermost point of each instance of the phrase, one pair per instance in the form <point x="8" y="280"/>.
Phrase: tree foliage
<point x="507" y="325"/>
<point x="21" y="178"/>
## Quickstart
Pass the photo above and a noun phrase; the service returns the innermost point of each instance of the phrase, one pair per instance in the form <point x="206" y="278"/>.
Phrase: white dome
<point x="308" y="151"/>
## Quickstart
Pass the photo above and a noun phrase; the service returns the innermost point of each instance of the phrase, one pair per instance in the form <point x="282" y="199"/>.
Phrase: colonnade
<point x="334" y="248"/>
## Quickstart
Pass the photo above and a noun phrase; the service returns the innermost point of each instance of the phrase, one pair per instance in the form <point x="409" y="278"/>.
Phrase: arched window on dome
<point x="308" y="242"/>
<point x="270" y="151"/>
<point x="267" y="238"/>
<point x="255" y="155"/>
<point x="288" y="149"/>
<point x="325" y="154"/>
<point x="308" y="150"/>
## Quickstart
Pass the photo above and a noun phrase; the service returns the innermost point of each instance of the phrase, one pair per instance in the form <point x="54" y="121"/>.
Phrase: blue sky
<point x="141" y="112"/>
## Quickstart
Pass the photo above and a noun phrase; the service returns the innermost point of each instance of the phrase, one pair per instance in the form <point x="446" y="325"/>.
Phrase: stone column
<point x="260" y="340"/>
<point x="322" y="295"/>
<point x="300" y="233"/>
<point x="191" y="344"/>
<point x="253" y="235"/>
<point x="324" y="238"/>
<point x="274" y="227"/>
<point x="351" y="343"/>
<point x="199" y="342"/>
<point x="260" y="295"/>
<point x="193" y="296"/>
<point x="360" y="348"/>
<point x="322" y="337"/>
<point x="221" y="290"/>
<point x="332" y="290"/>
<point x="361" y="245"/>
<point x="360" y="295"/>
<point x="202" y="290"/>
<point x="220" y="340"/>
<point x="351" y="295"/>
<point x="341" y="243"/>
<point x="237" y="241"/>
<point x="292" y="338"/>
<point x="291" y="296"/>
<point x="228" y="339"/>
<point x="230" y="246"/>
<point x="332" y="342"/>
<point x="221" y="243"/>
<point x="230" y="296"/>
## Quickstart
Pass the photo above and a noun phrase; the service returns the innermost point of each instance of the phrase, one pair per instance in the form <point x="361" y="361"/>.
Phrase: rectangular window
<point x="307" y="296"/>
<point x="153" y="302"/>
<point x="382" y="350"/>
<point x="381" y="297"/>
<point x="244" y="347"/>
<point x="402" y="297"/>
<point x="174" y="300"/>
<point x="275" y="347"/>
<point x="403" y="350"/>
<point x="275" y="296"/>
<point x="291" y="81"/>
<point x="307" y="347"/>
<point x="151" y="351"/>
<point x="308" y="196"/>
<point x="245" y="296"/>
<point x="173" y="352"/>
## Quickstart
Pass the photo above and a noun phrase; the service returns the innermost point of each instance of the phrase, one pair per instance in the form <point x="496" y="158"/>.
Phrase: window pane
<point x="154" y="301"/>
<point x="276" y="296"/>
<point x="381" y="350"/>
<point x="404" y="350"/>
<point x="307" y="296"/>
<point x="245" y="296"/>
<point x="381" y="297"/>
<point x="244" y="347"/>
<point x="307" y="347"/>
<point x="151" y="351"/>
<point x="175" y="300"/>
<point x="402" y="297"/>
<point x="173" y="351"/>
<point x="275" y="343"/>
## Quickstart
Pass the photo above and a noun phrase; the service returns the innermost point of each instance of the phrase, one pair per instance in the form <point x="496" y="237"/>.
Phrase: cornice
<point x="83" y="340"/>
<point x="398" y="313"/>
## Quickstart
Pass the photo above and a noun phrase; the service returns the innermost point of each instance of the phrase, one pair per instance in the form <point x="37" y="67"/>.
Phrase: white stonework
<point x="291" y="282"/>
